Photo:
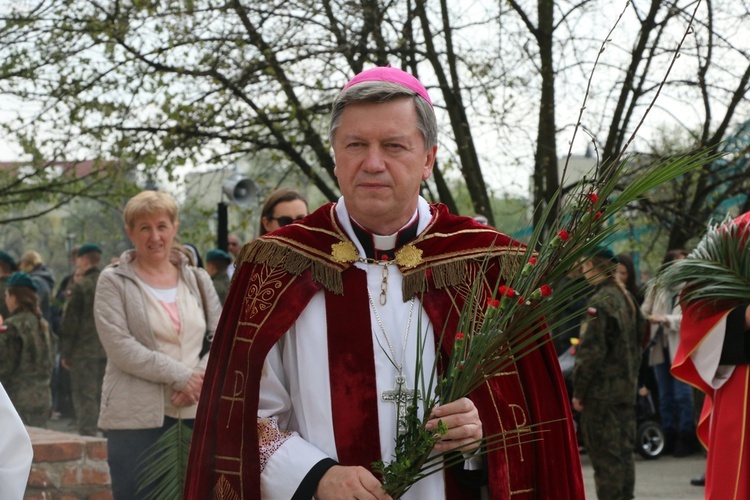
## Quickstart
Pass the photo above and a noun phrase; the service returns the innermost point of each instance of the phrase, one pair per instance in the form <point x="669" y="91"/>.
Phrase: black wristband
<point x="309" y="484"/>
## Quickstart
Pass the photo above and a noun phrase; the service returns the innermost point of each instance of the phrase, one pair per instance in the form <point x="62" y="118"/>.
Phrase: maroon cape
<point x="279" y="274"/>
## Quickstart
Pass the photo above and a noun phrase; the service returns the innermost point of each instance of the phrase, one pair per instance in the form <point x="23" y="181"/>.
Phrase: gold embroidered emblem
<point x="344" y="252"/>
<point x="223" y="490"/>
<point x="409" y="256"/>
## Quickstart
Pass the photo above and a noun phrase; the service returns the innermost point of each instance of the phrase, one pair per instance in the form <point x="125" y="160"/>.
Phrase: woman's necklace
<point x="400" y="395"/>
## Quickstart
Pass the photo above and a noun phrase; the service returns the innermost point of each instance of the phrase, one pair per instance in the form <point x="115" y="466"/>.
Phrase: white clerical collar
<point x="387" y="242"/>
<point x="342" y="215"/>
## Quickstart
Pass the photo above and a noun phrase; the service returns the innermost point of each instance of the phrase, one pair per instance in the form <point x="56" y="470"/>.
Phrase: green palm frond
<point x="164" y="464"/>
<point x="717" y="271"/>
<point x="513" y="326"/>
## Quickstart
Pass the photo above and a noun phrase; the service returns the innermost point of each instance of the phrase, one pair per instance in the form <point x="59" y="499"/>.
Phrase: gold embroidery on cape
<point x="503" y="433"/>
<point x="521" y="427"/>
<point x="344" y="252"/>
<point x="408" y="256"/>
<point x="223" y="490"/>
<point x="513" y="437"/>
<point x="237" y="393"/>
<point x="263" y="286"/>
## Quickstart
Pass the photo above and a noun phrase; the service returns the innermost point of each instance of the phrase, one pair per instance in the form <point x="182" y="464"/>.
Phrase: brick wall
<point x="67" y="467"/>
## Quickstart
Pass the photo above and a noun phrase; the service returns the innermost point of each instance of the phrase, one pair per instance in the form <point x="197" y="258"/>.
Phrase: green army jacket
<point x="28" y="349"/>
<point x="609" y="355"/>
<point x="221" y="283"/>
<point x="3" y="308"/>
<point x="78" y="337"/>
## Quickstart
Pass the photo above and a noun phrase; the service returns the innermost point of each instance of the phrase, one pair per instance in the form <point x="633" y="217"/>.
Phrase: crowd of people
<point x="136" y="331"/>
<point x="324" y="326"/>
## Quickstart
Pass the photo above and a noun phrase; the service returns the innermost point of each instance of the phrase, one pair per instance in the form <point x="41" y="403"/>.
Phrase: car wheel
<point x="649" y="440"/>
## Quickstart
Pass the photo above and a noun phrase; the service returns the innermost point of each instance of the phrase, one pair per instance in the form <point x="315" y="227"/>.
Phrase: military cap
<point x="218" y="254"/>
<point x="21" y="279"/>
<point x="8" y="259"/>
<point x="604" y="253"/>
<point x="88" y="248"/>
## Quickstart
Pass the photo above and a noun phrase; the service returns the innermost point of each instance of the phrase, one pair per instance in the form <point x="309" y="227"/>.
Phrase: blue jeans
<point x="125" y="456"/>
<point x="675" y="400"/>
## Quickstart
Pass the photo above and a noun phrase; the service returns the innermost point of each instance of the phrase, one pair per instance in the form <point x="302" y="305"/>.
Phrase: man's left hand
<point x="464" y="426"/>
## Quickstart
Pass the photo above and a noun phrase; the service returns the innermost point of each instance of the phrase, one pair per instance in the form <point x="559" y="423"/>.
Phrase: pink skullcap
<point x="393" y="75"/>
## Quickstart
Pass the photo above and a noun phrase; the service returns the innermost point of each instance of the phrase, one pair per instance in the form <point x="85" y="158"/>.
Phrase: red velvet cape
<point x="278" y="276"/>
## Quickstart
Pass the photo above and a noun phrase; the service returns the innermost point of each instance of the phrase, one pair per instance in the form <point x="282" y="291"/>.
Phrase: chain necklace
<point x="400" y="395"/>
<point x="383" y="283"/>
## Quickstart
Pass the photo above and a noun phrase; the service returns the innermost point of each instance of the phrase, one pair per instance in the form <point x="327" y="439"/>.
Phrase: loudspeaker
<point x="240" y="190"/>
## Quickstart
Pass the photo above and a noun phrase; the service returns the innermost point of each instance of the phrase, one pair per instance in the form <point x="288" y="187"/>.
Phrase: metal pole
<point x="222" y="233"/>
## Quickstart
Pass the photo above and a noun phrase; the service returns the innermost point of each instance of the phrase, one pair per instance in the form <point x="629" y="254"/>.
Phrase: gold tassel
<point x="449" y="274"/>
<point x="294" y="262"/>
<point x="414" y="283"/>
<point x="274" y="255"/>
<point x="329" y="277"/>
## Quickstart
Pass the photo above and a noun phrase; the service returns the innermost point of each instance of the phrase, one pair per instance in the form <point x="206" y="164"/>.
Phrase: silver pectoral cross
<point x="400" y="395"/>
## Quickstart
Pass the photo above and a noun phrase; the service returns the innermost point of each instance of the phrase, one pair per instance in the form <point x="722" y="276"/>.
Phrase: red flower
<point x="597" y="216"/>
<point x="459" y="336"/>
<point x="521" y="300"/>
<point x="532" y="261"/>
<point x="493" y="302"/>
<point x="506" y="291"/>
<point x="593" y="197"/>
<point x="563" y="235"/>
<point x="546" y="290"/>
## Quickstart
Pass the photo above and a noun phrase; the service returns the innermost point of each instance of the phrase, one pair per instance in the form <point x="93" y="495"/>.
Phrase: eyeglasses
<point x="285" y="220"/>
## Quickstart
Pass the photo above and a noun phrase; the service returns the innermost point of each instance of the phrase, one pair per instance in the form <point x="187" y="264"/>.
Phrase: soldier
<point x="217" y="264"/>
<point x="82" y="352"/>
<point x="7" y="267"/>
<point x="32" y="264"/>
<point x="27" y="347"/>
<point x="605" y="378"/>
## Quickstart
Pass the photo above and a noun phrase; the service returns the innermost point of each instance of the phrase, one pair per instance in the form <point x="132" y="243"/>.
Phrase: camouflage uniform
<point x="81" y="345"/>
<point x="605" y="379"/>
<point x="3" y="307"/>
<point x="221" y="283"/>
<point x="28" y="350"/>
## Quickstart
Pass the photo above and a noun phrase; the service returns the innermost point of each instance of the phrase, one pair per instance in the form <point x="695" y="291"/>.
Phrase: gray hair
<point x="379" y="92"/>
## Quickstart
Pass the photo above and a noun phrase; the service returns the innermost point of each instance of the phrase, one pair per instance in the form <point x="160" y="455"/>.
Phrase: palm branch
<point x="717" y="272"/>
<point x="164" y="464"/>
<point x="512" y="324"/>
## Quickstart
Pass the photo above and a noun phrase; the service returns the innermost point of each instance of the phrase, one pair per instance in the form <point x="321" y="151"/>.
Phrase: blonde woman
<point x="151" y="316"/>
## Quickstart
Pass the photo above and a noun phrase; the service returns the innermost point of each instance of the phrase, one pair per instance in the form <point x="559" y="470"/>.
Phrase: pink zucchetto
<point x="393" y="75"/>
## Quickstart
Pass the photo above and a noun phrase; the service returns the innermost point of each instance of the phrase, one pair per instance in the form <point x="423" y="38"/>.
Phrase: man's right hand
<point x="341" y="482"/>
